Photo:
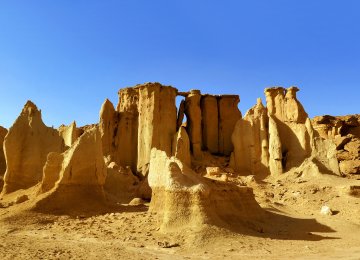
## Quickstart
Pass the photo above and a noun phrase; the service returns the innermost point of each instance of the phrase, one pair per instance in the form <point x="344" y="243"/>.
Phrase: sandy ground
<point x="294" y="228"/>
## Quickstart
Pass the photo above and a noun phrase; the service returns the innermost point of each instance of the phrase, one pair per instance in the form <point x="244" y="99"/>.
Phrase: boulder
<point x="350" y="167"/>
<point x="26" y="147"/>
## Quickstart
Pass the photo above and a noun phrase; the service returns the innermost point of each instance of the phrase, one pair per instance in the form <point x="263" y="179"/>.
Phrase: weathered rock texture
<point x="229" y="114"/>
<point x="279" y="137"/>
<point x="121" y="184"/>
<point x="251" y="142"/>
<point x="26" y="147"/>
<point x="69" y="133"/>
<point x="289" y="129"/>
<point x="181" y="198"/>
<point x="157" y="121"/>
<point x="344" y="133"/>
<point x="210" y="123"/>
<point x="181" y="147"/>
<point x="77" y="176"/>
<point x="193" y="115"/>
<point x="145" y="117"/>
<point x="3" y="132"/>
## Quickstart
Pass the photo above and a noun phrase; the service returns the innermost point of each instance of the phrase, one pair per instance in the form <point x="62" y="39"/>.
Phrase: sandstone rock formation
<point x="229" y="114"/>
<point x="290" y="124"/>
<point x="3" y="132"/>
<point x="181" y="147"/>
<point x="210" y="123"/>
<point x="332" y="126"/>
<point x="279" y="137"/>
<point x="344" y="132"/>
<point x="69" y="133"/>
<point x="251" y="142"/>
<point x="157" y="121"/>
<point x="183" y="199"/>
<point x="76" y="177"/>
<point x="193" y="115"/>
<point x="121" y="184"/>
<point x="26" y="147"/>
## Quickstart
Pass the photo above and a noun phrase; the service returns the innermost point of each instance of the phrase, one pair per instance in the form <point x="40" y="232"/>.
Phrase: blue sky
<point x="68" y="56"/>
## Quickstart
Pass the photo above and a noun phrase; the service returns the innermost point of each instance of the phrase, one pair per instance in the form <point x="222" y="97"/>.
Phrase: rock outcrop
<point x="79" y="175"/>
<point x="290" y="127"/>
<point x="193" y="115"/>
<point x="157" y="121"/>
<point x="181" y="147"/>
<point x="229" y="114"/>
<point x="210" y="123"/>
<point x="121" y="184"/>
<point x="344" y="133"/>
<point x="69" y="133"/>
<point x="251" y="142"/>
<point x="3" y="133"/>
<point x="183" y="199"/>
<point x="26" y="147"/>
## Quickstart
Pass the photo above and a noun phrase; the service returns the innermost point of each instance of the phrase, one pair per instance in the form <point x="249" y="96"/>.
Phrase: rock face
<point x="193" y="114"/>
<point x="121" y="185"/>
<point x="3" y="132"/>
<point x="80" y="175"/>
<point x="344" y="132"/>
<point x="210" y="123"/>
<point x="251" y="142"/>
<point x="332" y="126"/>
<point x="69" y="133"/>
<point x="181" y="147"/>
<point x="127" y="129"/>
<point x="289" y="129"/>
<point x="157" y="121"/>
<point x="279" y="137"/>
<point x="26" y="147"/>
<point x="181" y="198"/>
<point x="119" y="128"/>
<point x="229" y="114"/>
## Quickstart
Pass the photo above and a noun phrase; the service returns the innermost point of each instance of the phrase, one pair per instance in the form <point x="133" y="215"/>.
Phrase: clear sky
<point x="68" y="56"/>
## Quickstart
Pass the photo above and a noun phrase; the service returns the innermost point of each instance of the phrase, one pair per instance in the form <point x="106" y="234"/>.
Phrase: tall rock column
<point x="210" y="123"/>
<point x="229" y="114"/>
<point x="193" y="114"/>
<point x="108" y="124"/>
<point x="127" y="130"/>
<point x="290" y="123"/>
<point x="157" y="121"/>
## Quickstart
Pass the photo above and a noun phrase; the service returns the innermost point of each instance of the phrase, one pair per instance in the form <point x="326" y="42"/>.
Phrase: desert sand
<point x="152" y="180"/>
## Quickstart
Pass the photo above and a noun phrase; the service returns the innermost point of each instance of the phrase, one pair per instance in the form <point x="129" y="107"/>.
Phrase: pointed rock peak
<point x="73" y="124"/>
<point x="30" y="106"/>
<point x="259" y="103"/>
<point x="107" y="107"/>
